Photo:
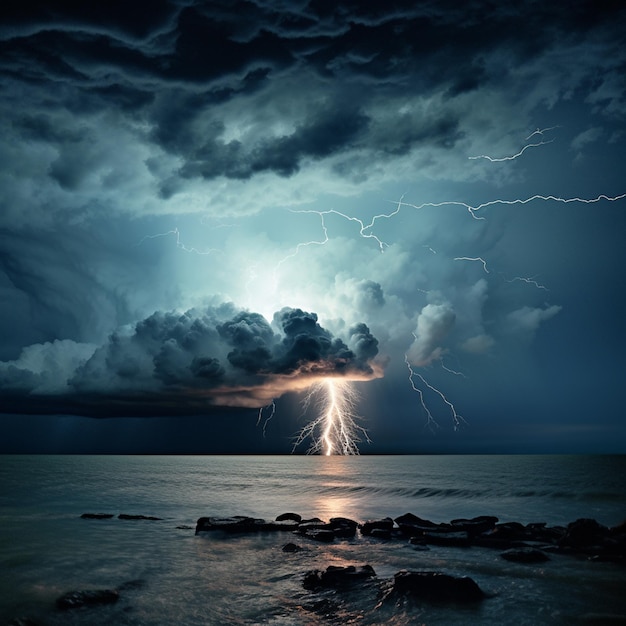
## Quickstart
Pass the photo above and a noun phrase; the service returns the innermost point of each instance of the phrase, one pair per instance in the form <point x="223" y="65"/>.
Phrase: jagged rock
<point x="380" y="533"/>
<point x="292" y="547"/>
<point x="381" y="524"/>
<point x="294" y="517"/>
<point x="437" y="587"/>
<point x="138" y="517"/>
<point x="97" y="515"/>
<point x="77" y="599"/>
<point x="337" y="576"/>
<point x="525" y="555"/>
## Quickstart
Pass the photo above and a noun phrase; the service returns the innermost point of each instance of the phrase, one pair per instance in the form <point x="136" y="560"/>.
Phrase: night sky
<point x="205" y="207"/>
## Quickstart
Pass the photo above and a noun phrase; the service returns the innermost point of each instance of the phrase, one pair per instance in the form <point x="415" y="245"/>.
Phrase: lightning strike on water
<point x="335" y="429"/>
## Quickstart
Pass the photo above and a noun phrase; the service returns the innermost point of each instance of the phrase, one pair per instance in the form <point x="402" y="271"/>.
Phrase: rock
<point x="97" y="515"/>
<point x="381" y="524"/>
<point x="525" y="555"/>
<point x="95" y="597"/>
<point x="380" y="533"/>
<point x="437" y="587"/>
<point x="476" y="525"/>
<point x="138" y="517"/>
<point x="294" y="517"/>
<point x="184" y="527"/>
<point x="292" y="547"/>
<point x="337" y="576"/>
<point x="343" y="527"/>
<point x="242" y="524"/>
<point x="320" y="534"/>
<point x="583" y="533"/>
<point x="458" y="539"/>
<point x="414" y="520"/>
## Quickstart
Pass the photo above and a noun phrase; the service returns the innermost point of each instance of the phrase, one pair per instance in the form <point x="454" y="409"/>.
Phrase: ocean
<point x="168" y="575"/>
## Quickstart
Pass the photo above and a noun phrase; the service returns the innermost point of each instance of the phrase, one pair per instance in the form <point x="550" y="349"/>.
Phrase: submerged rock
<point x="292" y="547"/>
<point x="337" y="576"/>
<point x="93" y="597"/>
<point x="97" y="515"/>
<point x="437" y="587"/>
<point x="385" y="524"/>
<point x="138" y="517"/>
<point x="242" y="524"/>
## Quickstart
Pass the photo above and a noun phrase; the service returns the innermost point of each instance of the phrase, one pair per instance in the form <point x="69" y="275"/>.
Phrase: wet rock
<point x="97" y="515"/>
<point x="437" y="587"/>
<point x="380" y="524"/>
<point x="94" y="597"/>
<point x="242" y="524"/>
<point x="337" y="576"/>
<point x="584" y="532"/>
<point x="184" y="527"/>
<point x="321" y="534"/>
<point x="411" y="525"/>
<point x="294" y="517"/>
<point x="138" y="517"/>
<point x="456" y="539"/>
<point x="343" y="527"/>
<point x="380" y="533"/>
<point x="476" y="525"/>
<point x="525" y="555"/>
<point x="292" y="547"/>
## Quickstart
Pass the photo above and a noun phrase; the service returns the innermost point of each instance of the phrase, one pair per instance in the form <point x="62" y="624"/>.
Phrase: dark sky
<point x="206" y="208"/>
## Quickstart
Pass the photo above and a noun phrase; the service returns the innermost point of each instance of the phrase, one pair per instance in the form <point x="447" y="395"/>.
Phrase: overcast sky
<point x="205" y="207"/>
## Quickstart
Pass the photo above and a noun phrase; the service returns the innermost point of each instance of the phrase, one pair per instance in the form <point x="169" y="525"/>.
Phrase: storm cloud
<point x="187" y="362"/>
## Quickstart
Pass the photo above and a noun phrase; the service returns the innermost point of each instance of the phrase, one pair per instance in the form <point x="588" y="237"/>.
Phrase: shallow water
<point x="46" y="549"/>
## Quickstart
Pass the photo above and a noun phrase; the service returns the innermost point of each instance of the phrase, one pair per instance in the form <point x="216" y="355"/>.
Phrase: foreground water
<point x="180" y="578"/>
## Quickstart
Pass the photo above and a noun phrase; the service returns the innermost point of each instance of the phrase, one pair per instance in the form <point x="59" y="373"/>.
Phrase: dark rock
<point x="380" y="533"/>
<point x="525" y="555"/>
<point x="414" y="520"/>
<point x="242" y="524"/>
<point x="381" y="524"/>
<point x="137" y="583"/>
<point x="476" y="525"/>
<point x="95" y="597"/>
<point x="457" y="539"/>
<point x="138" y="517"/>
<point x="437" y="587"/>
<point x="184" y="527"/>
<point x="343" y="527"/>
<point x="584" y="532"/>
<point x="294" y="517"/>
<point x="97" y="515"/>
<point x="320" y="534"/>
<point x="305" y="527"/>
<point x="337" y="576"/>
<point x="292" y="547"/>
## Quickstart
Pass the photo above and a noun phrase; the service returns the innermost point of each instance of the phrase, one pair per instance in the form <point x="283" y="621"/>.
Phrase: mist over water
<point x="46" y="549"/>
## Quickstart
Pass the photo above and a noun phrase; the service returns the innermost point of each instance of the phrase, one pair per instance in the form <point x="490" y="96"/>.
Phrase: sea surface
<point x="168" y="575"/>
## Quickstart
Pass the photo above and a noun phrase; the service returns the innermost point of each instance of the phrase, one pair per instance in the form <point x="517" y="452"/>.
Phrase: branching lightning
<point x="270" y="410"/>
<point x="477" y="258"/>
<point x="335" y="430"/>
<point x="457" y="419"/>
<point x="539" y="131"/>
<point x="179" y="243"/>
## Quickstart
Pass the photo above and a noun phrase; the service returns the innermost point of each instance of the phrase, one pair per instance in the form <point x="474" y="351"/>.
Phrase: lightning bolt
<point x="335" y="429"/>
<point x="539" y="131"/>
<point x="179" y="243"/>
<point x="271" y="408"/>
<point x="477" y="258"/>
<point x="457" y="419"/>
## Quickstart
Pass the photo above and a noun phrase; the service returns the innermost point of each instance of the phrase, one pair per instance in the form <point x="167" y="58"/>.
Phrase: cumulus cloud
<point x="434" y="323"/>
<point x="189" y="362"/>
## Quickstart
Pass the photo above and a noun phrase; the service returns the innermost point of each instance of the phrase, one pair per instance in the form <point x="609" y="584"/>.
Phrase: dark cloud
<point x="185" y="363"/>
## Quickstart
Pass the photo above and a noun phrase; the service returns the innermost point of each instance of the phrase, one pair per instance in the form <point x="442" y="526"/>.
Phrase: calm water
<point x="46" y="549"/>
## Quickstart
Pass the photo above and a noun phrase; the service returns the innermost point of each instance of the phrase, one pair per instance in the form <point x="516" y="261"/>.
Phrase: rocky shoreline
<point x="584" y="538"/>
